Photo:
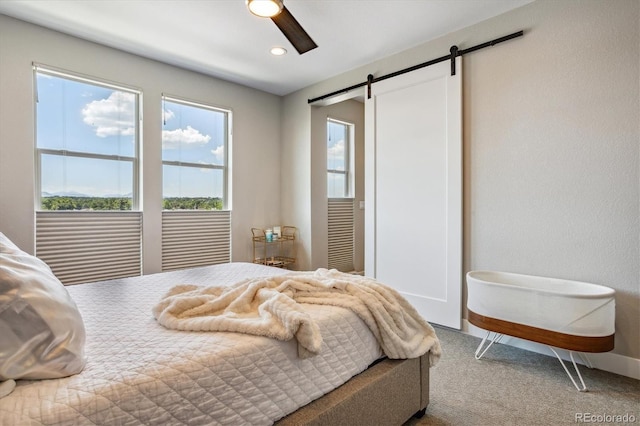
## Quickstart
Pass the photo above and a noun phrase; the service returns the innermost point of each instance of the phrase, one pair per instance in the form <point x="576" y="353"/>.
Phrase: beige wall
<point x="255" y="145"/>
<point x="551" y="145"/>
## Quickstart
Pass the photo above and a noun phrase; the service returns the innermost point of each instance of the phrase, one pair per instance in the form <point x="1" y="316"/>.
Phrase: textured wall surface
<point x="551" y="145"/>
<point x="255" y="145"/>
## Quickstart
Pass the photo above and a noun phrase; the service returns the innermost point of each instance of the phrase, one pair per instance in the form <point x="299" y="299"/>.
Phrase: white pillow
<point x="42" y="333"/>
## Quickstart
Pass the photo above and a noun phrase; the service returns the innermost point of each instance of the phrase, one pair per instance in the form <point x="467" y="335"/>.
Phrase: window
<point x="194" y="156"/>
<point x="86" y="144"/>
<point x="196" y="221"/>
<point x="87" y="162"/>
<point x="339" y="159"/>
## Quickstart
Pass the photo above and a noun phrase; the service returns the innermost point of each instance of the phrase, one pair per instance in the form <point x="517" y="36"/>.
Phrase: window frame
<point x="226" y="203"/>
<point x="348" y="172"/>
<point x="76" y="77"/>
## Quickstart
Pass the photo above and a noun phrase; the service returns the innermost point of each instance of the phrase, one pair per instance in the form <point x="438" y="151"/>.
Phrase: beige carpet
<point x="511" y="386"/>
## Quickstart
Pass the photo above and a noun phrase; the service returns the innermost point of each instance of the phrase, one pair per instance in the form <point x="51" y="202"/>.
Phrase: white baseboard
<point x="607" y="361"/>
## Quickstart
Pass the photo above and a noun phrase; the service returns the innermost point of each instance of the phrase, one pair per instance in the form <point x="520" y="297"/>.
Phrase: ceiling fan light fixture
<point x="265" y="8"/>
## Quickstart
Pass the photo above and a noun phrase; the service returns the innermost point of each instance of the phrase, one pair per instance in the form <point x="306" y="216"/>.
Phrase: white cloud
<point x="172" y="139"/>
<point x="219" y="154"/>
<point x="114" y="116"/>
<point x="168" y="115"/>
<point x="336" y="152"/>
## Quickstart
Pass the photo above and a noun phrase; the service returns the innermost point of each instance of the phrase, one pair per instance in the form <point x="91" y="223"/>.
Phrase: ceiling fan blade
<point x="293" y="31"/>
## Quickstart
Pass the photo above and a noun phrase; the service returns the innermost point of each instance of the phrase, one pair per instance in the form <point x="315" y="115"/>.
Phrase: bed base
<point x="389" y="392"/>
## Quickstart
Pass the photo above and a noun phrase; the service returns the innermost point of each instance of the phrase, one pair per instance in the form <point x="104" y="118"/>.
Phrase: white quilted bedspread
<point x="138" y="372"/>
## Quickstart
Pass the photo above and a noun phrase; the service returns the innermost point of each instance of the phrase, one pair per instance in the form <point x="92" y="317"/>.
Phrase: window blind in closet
<point x="90" y="246"/>
<point x="341" y="234"/>
<point x="195" y="238"/>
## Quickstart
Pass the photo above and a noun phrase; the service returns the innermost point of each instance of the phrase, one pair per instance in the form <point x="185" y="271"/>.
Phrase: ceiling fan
<point x="285" y="21"/>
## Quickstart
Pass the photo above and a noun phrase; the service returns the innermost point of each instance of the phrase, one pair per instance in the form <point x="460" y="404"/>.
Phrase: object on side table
<point x="274" y="247"/>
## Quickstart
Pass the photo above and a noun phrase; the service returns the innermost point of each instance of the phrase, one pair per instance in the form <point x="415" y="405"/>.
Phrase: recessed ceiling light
<point x="278" y="51"/>
<point x="265" y="8"/>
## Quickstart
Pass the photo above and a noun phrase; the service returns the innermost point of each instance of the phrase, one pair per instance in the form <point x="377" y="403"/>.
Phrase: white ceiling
<point x="223" y="39"/>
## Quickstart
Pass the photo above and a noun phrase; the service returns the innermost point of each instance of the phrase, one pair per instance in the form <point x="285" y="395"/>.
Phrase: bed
<point x="138" y="372"/>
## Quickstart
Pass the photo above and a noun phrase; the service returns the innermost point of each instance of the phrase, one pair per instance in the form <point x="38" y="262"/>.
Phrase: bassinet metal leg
<point x="587" y="361"/>
<point x="496" y="339"/>
<point x="584" y="387"/>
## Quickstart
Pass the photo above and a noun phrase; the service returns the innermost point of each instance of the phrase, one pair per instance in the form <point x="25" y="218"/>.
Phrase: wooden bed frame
<point x="389" y="392"/>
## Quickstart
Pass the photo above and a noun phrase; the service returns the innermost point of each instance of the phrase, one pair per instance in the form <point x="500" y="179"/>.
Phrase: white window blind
<point x="341" y="234"/>
<point x="195" y="238"/>
<point x="90" y="246"/>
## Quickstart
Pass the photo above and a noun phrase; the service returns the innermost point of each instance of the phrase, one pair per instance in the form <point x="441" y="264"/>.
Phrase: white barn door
<point x="413" y="189"/>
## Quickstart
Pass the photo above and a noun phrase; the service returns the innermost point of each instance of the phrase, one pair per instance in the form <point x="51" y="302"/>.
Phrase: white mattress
<point x="139" y="372"/>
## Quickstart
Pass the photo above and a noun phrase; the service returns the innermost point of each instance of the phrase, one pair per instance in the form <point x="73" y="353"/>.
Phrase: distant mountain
<point x="64" y="194"/>
<point x="80" y="195"/>
<point x="129" y="195"/>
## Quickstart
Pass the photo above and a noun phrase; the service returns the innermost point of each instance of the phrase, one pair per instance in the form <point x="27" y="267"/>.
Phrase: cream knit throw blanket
<point x="273" y="307"/>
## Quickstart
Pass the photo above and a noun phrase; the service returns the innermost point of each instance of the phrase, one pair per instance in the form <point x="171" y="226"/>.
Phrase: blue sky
<point x="194" y="135"/>
<point x="76" y="116"/>
<point x="336" y="137"/>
